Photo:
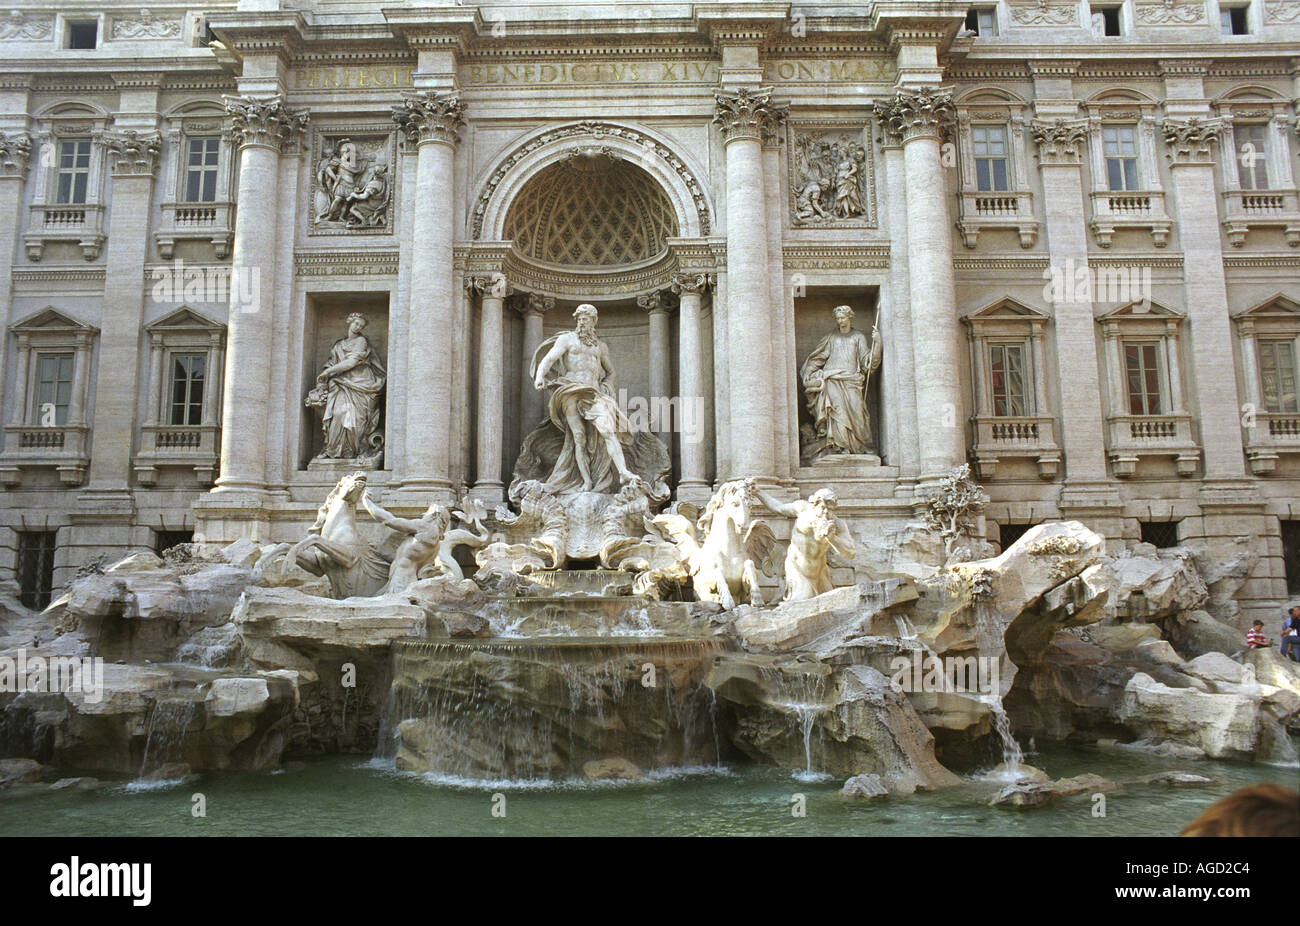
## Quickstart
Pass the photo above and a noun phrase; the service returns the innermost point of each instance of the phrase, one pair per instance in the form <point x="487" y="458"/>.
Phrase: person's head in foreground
<point x="1260" y="810"/>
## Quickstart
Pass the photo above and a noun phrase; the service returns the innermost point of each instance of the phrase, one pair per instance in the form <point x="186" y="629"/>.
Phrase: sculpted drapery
<point x="835" y="378"/>
<point x="348" y="390"/>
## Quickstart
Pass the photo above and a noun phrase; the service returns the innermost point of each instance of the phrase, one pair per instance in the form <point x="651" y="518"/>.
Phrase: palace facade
<point x="1075" y="226"/>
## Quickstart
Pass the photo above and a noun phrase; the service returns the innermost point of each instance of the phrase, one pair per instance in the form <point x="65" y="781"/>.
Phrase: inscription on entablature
<point x="379" y="77"/>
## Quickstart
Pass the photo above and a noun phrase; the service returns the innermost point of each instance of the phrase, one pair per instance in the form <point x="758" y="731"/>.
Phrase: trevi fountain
<point x="634" y="664"/>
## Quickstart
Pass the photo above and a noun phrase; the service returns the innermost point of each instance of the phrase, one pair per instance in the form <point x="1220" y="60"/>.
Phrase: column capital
<point x="133" y="154"/>
<point x="1060" y="141"/>
<point x="530" y="304"/>
<point x="15" y="151"/>
<point x="488" y="284"/>
<point x="426" y="116"/>
<point x="748" y="114"/>
<point x="1191" y="141"/>
<point x="654" y="302"/>
<point x="923" y="112"/>
<point x="265" y="121"/>
<point x="693" y="283"/>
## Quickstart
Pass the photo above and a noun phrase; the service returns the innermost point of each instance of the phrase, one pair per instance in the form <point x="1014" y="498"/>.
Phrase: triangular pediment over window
<point x="1277" y="305"/>
<point x="50" y="319"/>
<point x="1140" y="308"/>
<point x="1006" y="308"/>
<point x="184" y="319"/>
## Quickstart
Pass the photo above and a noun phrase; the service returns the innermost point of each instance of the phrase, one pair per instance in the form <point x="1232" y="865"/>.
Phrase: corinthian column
<point x="491" y="382"/>
<point x="1191" y="154"/>
<point x="263" y="127"/>
<point x="920" y="119"/>
<point x="690" y="289"/>
<point x="743" y="115"/>
<point x="431" y="121"/>
<point x="533" y="306"/>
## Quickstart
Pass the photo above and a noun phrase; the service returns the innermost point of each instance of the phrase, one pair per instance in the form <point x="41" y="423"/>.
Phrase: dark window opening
<point x="1110" y="19"/>
<point x="1160" y="534"/>
<point x="83" y="35"/>
<point x="165" y="540"/>
<point x="36" y="567"/>
<point x="1291" y="555"/>
<point x="1234" y="21"/>
<point x="982" y="21"/>
<point x="1010" y="533"/>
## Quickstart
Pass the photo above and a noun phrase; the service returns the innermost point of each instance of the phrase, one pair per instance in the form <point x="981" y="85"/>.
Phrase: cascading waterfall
<point x="803" y="694"/>
<point x="169" y="723"/>
<point x="528" y="709"/>
<point x="988" y="637"/>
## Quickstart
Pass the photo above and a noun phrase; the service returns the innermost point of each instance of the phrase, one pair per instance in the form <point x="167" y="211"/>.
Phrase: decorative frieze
<point x="144" y="26"/>
<point x="921" y="113"/>
<point x="428" y="116"/>
<point x="1169" y="13"/>
<point x="747" y="113"/>
<point x="266" y="121"/>
<point x="1282" y="11"/>
<point x="133" y="154"/>
<point x="1060" y="141"/>
<point x="831" y="178"/>
<point x="20" y="27"/>
<point x="1191" y="141"/>
<point x="1044" y="13"/>
<point x="353" y="183"/>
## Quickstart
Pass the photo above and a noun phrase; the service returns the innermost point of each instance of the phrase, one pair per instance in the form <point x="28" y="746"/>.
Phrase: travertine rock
<point x="864" y="787"/>
<point x="1151" y="584"/>
<point x="1223" y="725"/>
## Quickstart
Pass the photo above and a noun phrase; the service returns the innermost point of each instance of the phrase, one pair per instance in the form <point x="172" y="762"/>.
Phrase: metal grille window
<point x="1007" y="378"/>
<point x="1143" y="372"/>
<point x="989" y="143"/>
<point x="74" y="171"/>
<point x="187" y="383"/>
<point x="1010" y="533"/>
<point x="1277" y="376"/>
<point x="202" y="156"/>
<point x="1252" y="156"/>
<point x="1161" y="534"/>
<point x="35" y="567"/>
<point x="53" y="388"/>
<point x="1119" y="144"/>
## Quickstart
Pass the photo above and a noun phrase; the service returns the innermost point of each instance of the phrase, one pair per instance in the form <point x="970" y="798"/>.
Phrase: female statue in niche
<point x="348" y="389"/>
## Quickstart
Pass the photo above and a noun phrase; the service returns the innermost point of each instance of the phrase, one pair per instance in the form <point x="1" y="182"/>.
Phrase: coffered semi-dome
<point x="591" y="210"/>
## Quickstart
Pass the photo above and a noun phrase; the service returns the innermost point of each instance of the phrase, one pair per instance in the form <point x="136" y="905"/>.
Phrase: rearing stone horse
<point x="724" y="566"/>
<point x="334" y="546"/>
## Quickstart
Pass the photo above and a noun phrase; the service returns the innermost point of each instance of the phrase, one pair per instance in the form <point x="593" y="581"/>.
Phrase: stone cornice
<point x="265" y="120"/>
<point x="1191" y="141"/>
<point x="747" y="113"/>
<point x="273" y="32"/>
<point x="425" y="116"/>
<point x="133" y="154"/>
<point x="921" y="113"/>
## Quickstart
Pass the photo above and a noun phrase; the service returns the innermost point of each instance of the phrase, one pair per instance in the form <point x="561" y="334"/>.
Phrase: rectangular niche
<point x="327" y="323"/>
<point x="814" y="319"/>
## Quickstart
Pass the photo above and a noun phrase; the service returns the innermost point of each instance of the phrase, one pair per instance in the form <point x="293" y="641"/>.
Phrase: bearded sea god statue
<point x="835" y="379"/>
<point x="816" y="533"/>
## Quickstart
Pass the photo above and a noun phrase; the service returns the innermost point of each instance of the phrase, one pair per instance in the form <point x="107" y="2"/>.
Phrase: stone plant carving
<point x="815" y="534"/>
<point x="952" y="509"/>
<point x="334" y="546"/>
<point x="347" y="391"/>
<point x="835" y="378"/>
<point x="353" y="189"/>
<point x="724" y="550"/>
<point x="830" y="179"/>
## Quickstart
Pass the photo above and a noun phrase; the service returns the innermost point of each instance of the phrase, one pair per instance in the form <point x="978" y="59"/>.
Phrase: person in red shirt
<point x="1255" y="638"/>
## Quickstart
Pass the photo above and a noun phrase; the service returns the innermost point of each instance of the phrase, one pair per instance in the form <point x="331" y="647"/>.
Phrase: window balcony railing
<point x="1114" y="209"/>
<point x="65" y="448"/>
<point x="1009" y="437"/>
<point x="1135" y="436"/>
<point x="81" y="223"/>
<point x="192" y="446"/>
<point x="980" y="211"/>
<point x="212" y="222"/>
<point x="1273" y="434"/>
<point x="1247" y="209"/>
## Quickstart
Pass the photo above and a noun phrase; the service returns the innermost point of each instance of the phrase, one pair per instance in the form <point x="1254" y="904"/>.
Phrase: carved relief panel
<point x="353" y="181"/>
<point x="831" y="176"/>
